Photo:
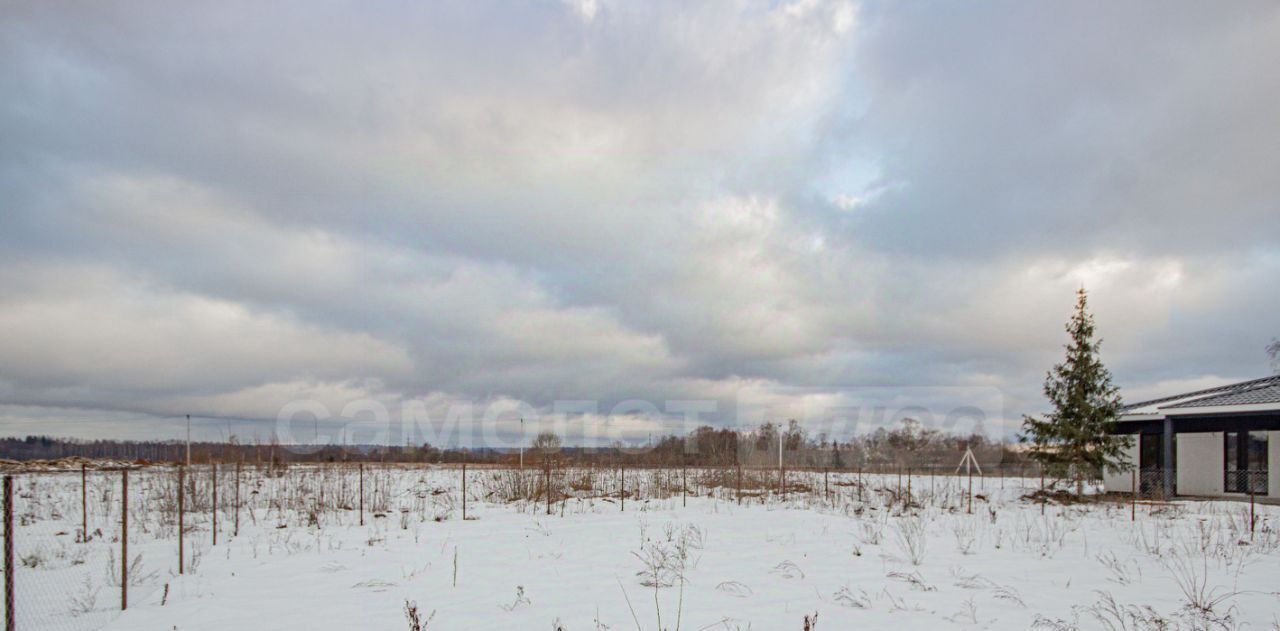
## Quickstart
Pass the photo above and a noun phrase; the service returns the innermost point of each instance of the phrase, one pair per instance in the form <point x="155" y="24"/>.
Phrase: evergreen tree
<point x="1077" y="438"/>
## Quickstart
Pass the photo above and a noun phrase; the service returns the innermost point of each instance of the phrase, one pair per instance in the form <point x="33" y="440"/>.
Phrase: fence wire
<point x="70" y="563"/>
<point x="68" y="547"/>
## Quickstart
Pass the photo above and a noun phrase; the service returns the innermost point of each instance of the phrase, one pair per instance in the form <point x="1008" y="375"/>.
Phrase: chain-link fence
<point x="83" y="546"/>
<point x="1245" y="481"/>
<point x="1157" y="484"/>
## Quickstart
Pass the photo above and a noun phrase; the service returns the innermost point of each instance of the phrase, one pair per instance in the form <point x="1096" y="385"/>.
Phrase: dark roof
<point x="1265" y="393"/>
<point x="1264" y="390"/>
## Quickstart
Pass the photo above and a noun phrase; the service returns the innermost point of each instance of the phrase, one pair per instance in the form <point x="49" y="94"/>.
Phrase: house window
<point x="1244" y="462"/>
<point x="1152" y="470"/>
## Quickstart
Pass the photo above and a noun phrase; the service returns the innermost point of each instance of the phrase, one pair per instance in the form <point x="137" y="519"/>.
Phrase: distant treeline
<point x="909" y="445"/>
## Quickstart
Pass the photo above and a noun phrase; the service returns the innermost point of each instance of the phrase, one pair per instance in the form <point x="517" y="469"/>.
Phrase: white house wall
<point x="1122" y="482"/>
<point x="1200" y="463"/>
<point x="1273" y="464"/>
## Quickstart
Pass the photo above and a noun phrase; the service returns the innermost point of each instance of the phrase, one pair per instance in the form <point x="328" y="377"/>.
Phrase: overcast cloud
<point x="220" y="208"/>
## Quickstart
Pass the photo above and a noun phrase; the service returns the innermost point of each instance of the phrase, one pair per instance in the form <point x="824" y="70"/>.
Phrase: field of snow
<point x="854" y="556"/>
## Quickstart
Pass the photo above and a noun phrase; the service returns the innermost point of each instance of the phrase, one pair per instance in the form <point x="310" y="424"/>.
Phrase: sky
<point x="226" y="209"/>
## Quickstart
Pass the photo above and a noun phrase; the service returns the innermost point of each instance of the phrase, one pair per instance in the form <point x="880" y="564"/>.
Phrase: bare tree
<point x="547" y="444"/>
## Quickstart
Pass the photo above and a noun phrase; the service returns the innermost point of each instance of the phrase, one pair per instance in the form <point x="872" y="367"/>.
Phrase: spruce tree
<point x="1077" y="438"/>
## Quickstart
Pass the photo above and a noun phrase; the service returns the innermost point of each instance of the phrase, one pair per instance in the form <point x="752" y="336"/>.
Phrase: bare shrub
<point x="1010" y="594"/>
<point x="912" y="537"/>
<point x="665" y="560"/>
<point x="86" y="599"/>
<point x="135" y="575"/>
<point x="968" y="613"/>
<point x="735" y="588"/>
<point x="966" y="534"/>
<point x="1115" y="616"/>
<point x="1203" y="603"/>
<point x="847" y="598"/>
<point x="1122" y="572"/>
<point x="914" y="580"/>
<point x="811" y="622"/>
<point x="788" y="569"/>
<point x="873" y="529"/>
<point x="520" y="599"/>
<point x="414" y="618"/>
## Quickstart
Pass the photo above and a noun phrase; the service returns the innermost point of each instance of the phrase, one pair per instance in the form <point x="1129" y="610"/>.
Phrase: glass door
<point x="1150" y="464"/>
<point x="1244" y="462"/>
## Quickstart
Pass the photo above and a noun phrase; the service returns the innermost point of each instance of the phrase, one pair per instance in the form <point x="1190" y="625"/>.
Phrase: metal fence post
<point x="182" y="499"/>
<point x="970" y="510"/>
<point x="548" y="486"/>
<point x="9" y="623"/>
<point x="1133" y="497"/>
<point x="739" y="484"/>
<point x="214" y="512"/>
<point x="84" y="503"/>
<point x="236" y="531"/>
<point x="124" y="539"/>
<point x="1252" y="519"/>
<point x="1043" y="498"/>
<point x="362" y="494"/>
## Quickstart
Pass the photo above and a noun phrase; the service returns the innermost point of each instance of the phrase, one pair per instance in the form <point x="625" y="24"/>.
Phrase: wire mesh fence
<point x="87" y="544"/>
<point x="1156" y="484"/>
<point x="1250" y="481"/>
<point x="84" y="550"/>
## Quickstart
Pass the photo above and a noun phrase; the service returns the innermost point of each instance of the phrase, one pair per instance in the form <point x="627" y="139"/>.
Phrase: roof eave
<point x="1143" y="416"/>
<point x="1222" y="409"/>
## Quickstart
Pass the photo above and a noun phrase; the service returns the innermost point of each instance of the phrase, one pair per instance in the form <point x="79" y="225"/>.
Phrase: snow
<point x="764" y="564"/>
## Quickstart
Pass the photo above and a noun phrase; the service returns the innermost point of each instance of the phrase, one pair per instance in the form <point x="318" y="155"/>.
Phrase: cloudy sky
<point x="219" y="208"/>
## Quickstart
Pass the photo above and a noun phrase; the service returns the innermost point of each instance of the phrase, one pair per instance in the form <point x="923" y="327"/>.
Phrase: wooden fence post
<point x="9" y="622"/>
<point x="548" y="486"/>
<point x="362" y="494"/>
<point x="623" y="492"/>
<point x="124" y="539"/>
<point x="464" y="491"/>
<point x="182" y="508"/>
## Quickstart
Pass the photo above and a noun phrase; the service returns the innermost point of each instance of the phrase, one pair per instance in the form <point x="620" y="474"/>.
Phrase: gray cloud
<point x="219" y="209"/>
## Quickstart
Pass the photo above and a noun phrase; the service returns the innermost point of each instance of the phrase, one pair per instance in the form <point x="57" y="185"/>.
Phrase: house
<point x="1221" y="441"/>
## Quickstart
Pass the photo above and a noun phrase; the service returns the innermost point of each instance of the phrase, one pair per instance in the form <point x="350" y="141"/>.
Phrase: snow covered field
<point x="303" y="561"/>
